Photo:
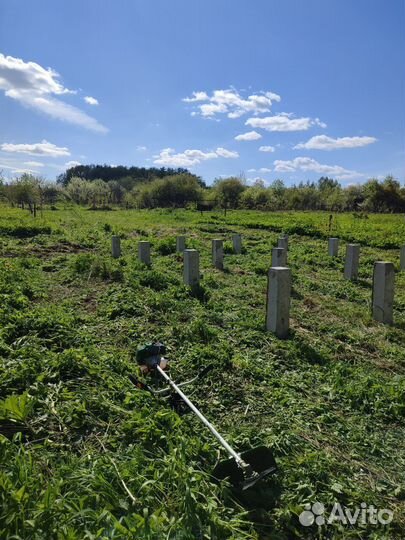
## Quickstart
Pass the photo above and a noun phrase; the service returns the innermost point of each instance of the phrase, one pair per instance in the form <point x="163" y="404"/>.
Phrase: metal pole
<point x="227" y="447"/>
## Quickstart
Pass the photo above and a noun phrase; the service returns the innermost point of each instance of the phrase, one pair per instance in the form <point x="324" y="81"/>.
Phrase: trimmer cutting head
<point x="260" y="460"/>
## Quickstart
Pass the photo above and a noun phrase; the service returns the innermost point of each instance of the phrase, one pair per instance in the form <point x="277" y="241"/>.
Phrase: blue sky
<point x="287" y="89"/>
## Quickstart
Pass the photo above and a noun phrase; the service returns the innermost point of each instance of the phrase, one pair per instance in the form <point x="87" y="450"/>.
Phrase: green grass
<point x="88" y="456"/>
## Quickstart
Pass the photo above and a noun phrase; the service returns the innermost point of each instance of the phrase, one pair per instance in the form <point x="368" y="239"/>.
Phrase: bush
<point x="166" y="246"/>
<point x="177" y="190"/>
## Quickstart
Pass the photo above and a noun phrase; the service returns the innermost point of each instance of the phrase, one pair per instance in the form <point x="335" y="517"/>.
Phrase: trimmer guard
<point x="260" y="459"/>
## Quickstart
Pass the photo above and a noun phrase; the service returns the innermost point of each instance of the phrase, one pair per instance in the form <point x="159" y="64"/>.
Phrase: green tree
<point x="394" y="200"/>
<point x="325" y="183"/>
<point x="78" y="190"/>
<point x="229" y="191"/>
<point x="99" y="193"/>
<point x="2" y="187"/>
<point x="178" y="191"/>
<point x="117" y="192"/>
<point x="255" y="196"/>
<point x="26" y="192"/>
<point x="354" y="197"/>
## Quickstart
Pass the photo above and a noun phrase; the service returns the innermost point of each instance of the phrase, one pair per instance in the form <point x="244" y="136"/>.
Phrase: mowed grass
<point x="92" y="457"/>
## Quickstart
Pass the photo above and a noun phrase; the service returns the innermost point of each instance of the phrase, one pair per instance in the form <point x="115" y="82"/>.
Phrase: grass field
<point x="93" y="458"/>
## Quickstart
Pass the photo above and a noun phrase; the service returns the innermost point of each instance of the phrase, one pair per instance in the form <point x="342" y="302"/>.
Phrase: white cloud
<point x="16" y="168"/>
<point x="22" y="171"/>
<point x="70" y="164"/>
<point x="323" y="142"/>
<point x="33" y="164"/>
<point x="197" y="96"/>
<point x="26" y="76"/>
<point x="91" y="100"/>
<point x="168" y="158"/>
<point x="261" y="170"/>
<point x="248" y="136"/>
<point x="231" y="102"/>
<point x="34" y="86"/>
<point x="43" y="148"/>
<point x="222" y="152"/>
<point x="267" y="149"/>
<point x="284" y="122"/>
<point x="307" y="164"/>
<point x="141" y="148"/>
<point x="210" y="109"/>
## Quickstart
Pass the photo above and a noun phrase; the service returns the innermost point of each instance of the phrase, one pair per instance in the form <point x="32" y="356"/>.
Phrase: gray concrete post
<point x="218" y="254"/>
<point x="237" y="243"/>
<point x="286" y="237"/>
<point x="191" y="267"/>
<point x="352" y="261"/>
<point x="283" y="242"/>
<point x="180" y="244"/>
<point x="278" y="257"/>
<point x="144" y="252"/>
<point x="383" y="292"/>
<point x="333" y="247"/>
<point x="116" y="246"/>
<point x="402" y="258"/>
<point x="278" y="301"/>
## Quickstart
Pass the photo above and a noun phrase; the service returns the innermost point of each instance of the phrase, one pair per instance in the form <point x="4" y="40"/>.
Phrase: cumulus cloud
<point x="196" y="96"/>
<point x="141" y="148"/>
<point x="36" y="87"/>
<point x="43" y="148"/>
<point x="248" y="136"/>
<point x="323" y="142"/>
<point x="168" y="158"/>
<point x="222" y="152"/>
<point x="90" y="100"/>
<point x="284" y="122"/>
<point x="231" y="103"/>
<point x="307" y="164"/>
<point x="267" y="149"/>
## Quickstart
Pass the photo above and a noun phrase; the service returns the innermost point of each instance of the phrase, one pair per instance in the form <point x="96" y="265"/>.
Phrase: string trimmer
<point x="242" y="469"/>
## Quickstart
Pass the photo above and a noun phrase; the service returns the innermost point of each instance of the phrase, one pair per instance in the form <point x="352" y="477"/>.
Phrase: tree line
<point x="181" y="189"/>
<point x="128" y="177"/>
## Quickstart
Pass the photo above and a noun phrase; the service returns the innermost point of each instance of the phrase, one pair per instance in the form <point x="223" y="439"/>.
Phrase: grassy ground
<point x="92" y="457"/>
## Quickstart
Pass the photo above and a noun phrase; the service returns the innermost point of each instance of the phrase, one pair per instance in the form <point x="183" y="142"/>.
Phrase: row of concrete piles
<point x="143" y="250"/>
<point x="279" y="276"/>
<point x="383" y="278"/>
<point x="189" y="254"/>
<point x="279" y="285"/>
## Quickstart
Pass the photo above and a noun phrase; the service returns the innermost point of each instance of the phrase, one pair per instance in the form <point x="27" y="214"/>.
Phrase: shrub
<point x="166" y="246"/>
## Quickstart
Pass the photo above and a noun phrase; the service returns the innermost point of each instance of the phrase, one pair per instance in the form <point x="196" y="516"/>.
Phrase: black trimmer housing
<point x="150" y="354"/>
